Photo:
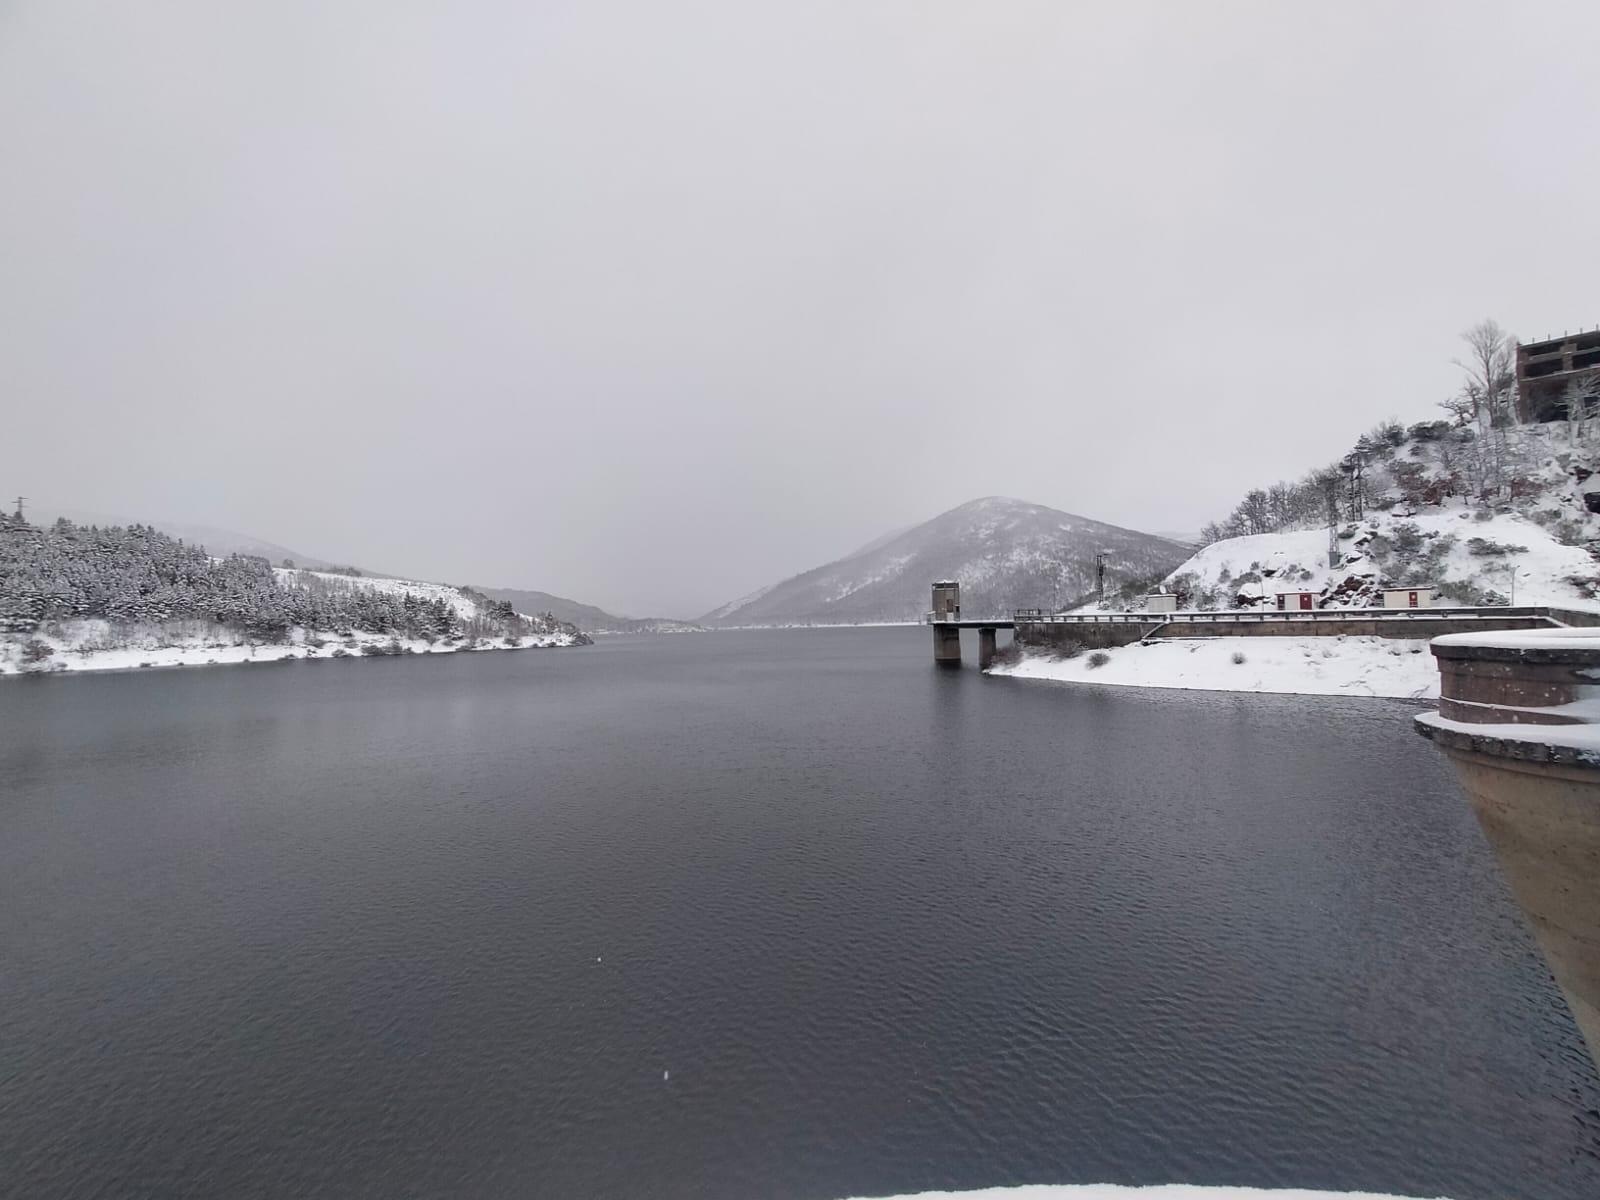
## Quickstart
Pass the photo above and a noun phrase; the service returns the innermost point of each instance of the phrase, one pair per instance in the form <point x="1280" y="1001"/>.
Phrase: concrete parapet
<point x="1092" y="635"/>
<point x="1403" y="628"/>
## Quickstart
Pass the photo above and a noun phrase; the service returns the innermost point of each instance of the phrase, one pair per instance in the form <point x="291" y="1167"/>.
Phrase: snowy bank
<point x="98" y="645"/>
<point x="1108" y="1191"/>
<point x="1317" y="666"/>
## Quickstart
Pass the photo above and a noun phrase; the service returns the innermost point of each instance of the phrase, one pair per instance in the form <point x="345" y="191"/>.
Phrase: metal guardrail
<point x="1275" y="616"/>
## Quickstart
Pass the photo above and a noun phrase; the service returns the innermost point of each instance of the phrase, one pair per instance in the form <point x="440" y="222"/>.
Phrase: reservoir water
<point x="756" y="915"/>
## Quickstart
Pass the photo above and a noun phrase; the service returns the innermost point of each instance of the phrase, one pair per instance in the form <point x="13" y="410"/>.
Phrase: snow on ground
<point x="93" y="645"/>
<point x="466" y="608"/>
<point x="1431" y="517"/>
<point x="1319" y="666"/>
<point x="1298" y="559"/>
<point x="1108" y="1191"/>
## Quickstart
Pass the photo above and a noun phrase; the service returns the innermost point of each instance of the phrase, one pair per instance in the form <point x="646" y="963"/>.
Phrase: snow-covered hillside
<point x="1006" y="553"/>
<point x="1469" y="557"/>
<point x="466" y="606"/>
<point x="106" y="598"/>
<point x="1420" y="525"/>
<point x="1483" y="524"/>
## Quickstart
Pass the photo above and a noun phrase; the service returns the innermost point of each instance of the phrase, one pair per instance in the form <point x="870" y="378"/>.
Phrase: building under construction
<point x="1546" y="369"/>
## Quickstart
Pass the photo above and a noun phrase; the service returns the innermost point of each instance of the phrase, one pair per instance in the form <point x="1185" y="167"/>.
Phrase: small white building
<point x="1298" y="600"/>
<point x="1161" y="602"/>
<point x="1409" y="597"/>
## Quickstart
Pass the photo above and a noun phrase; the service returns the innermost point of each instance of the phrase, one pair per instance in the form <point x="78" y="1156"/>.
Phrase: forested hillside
<point x="67" y="586"/>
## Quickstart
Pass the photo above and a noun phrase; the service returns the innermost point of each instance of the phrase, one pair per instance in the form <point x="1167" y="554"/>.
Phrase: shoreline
<point x="216" y="650"/>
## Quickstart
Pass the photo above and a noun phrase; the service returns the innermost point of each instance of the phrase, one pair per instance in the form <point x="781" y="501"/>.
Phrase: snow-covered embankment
<point x="1321" y="666"/>
<point x="97" y="645"/>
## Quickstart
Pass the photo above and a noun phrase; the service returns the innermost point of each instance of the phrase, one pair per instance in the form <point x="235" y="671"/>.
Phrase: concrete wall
<point x="1569" y="616"/>
<point x="1092" y="635"/>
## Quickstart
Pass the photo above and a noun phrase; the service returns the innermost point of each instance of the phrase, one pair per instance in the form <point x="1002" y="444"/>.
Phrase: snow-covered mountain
<point x="1480" y="519"/>
<point x="1006" y="554"/>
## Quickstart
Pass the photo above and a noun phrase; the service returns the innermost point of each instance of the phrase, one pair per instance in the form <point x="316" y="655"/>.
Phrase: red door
<point x="1411" y="598"/>
<point x="1305" y="599"/>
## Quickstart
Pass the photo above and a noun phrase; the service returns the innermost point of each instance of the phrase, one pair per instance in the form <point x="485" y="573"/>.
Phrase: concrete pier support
<point x="986" y="649"/>
<point x="1511" y="719"/>
<point x="947" y="645"/>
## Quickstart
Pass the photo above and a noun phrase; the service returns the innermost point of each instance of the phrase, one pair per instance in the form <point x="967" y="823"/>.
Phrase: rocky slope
<point x="1006" y="553"/>
<point x="1425" y="522"/>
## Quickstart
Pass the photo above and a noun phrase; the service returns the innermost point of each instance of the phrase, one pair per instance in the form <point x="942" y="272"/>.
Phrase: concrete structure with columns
<point x="945" y="617"/>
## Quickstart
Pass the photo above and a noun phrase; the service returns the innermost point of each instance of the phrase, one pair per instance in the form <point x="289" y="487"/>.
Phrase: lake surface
<point x="786" y="914"/>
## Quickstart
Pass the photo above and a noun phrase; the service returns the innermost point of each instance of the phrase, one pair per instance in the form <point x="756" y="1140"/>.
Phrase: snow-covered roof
<point x="1525" y="639"/>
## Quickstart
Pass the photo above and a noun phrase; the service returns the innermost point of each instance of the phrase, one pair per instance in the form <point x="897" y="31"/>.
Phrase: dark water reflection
<point x="439" y="927"/>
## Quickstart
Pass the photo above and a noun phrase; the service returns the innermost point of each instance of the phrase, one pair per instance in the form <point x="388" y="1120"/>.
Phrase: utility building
<point x="1545" y="370"/>
<point x="1408" y="597"/>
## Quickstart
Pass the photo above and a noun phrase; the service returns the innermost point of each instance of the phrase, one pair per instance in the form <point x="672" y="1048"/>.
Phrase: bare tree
<point x="1490" y="385"/>
<point x="1491" y="367"/>
<point x="1326" y="483"/>
<point x="1580" y="400"/>
<point x="1459" y="407"/>
<point x="1255" y="512"/>
<point x="1281" y="505"/>
<point x="1447" y="454"/>
<point x="1354" y="468"/>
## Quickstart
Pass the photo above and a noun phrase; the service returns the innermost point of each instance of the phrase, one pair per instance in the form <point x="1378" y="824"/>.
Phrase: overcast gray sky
<point x="654" y="303"/>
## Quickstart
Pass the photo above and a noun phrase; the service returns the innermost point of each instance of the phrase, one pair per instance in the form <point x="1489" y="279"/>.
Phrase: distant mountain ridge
<point x="1006" y="553"/>
<point x="584" y="616"/>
